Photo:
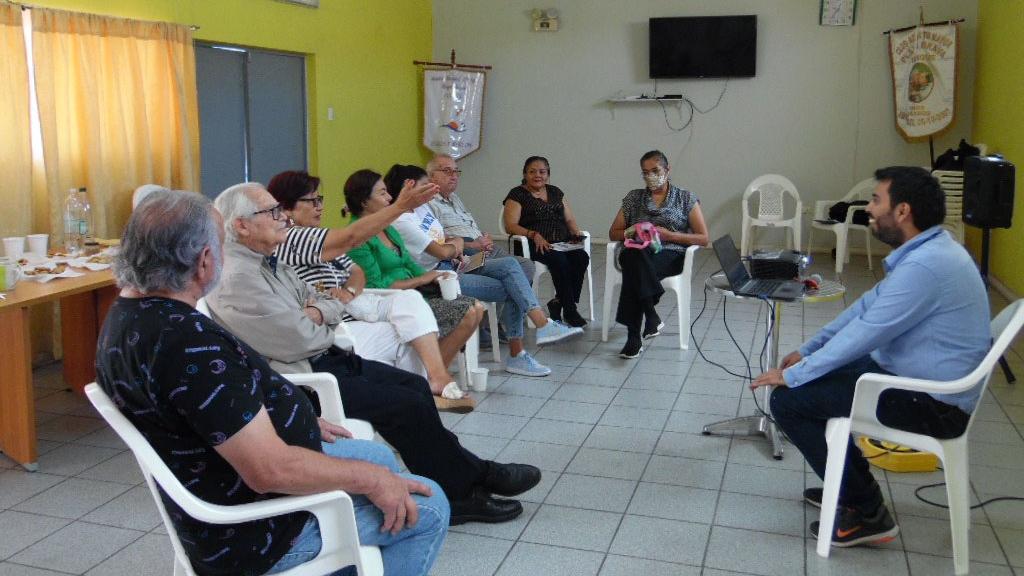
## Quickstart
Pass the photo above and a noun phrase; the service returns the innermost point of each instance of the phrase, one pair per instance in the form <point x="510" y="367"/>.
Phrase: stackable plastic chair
<point x="680" y="284"/>
<point x="333" y="510"/>
<point x="771" y="190"/>
<point x="952" y="452"/>
<point x="860" y="191"/>
<point x="539" y="269"/>
<point x="325" y="385"/>
<point x="952" y="182"/>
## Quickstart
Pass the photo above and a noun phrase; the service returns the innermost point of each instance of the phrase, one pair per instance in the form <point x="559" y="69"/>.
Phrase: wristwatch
<point x="351" y="290"/>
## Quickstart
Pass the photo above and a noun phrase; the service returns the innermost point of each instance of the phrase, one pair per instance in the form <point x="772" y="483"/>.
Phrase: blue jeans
<point x="803" y="412"/>
<point x="411" y="551"/>
<point x="501" y="280"/>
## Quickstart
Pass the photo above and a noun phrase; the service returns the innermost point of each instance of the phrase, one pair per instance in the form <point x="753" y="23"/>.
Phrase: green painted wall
<point x="999" y="123"/>
<point x="361" y="54"/>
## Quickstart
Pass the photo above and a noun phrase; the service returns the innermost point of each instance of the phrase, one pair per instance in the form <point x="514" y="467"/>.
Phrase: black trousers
<point x="803" y="412"/>
<point x="567" y="270"/>
<point x="401" y="408"/>
<point x="642" y="272"/>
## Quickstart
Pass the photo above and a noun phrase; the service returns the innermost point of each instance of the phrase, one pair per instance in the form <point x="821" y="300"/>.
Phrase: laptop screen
<point x="729" y="258"/>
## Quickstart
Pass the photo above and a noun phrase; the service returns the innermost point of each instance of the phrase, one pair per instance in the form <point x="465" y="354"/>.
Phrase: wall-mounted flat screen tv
<point x="703" y="47"/>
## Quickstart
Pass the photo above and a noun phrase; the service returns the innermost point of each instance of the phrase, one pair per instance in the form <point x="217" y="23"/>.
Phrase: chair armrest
<point x="821" y="209"/>
<point x="381" y="291"/>
<point x="586" y="241"/>
<point x="524" y="244"/>
<point x="326" y="387"/>
<point x="871" y="385"/>
<point x="323" y="502"/>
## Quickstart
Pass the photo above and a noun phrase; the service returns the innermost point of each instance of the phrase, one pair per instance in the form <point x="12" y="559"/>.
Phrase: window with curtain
<point x="87" y="100"/>
<point x="15" y="127"/>
<point x="116" y="108"/>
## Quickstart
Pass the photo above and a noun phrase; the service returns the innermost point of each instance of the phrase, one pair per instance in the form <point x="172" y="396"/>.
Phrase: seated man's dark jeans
<point x="803" y="412"/>
<point x="401" y="408"/>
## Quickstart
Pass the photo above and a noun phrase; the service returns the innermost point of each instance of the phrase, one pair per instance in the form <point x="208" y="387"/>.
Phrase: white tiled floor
<point x="630" y="486"/>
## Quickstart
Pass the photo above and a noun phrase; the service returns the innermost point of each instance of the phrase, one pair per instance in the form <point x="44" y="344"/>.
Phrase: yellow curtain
<point x="15" y="130"/>
<point x="117" y="109"/>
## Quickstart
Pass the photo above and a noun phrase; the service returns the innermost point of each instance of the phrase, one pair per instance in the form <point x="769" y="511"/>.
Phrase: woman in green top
<point x="387" y="264"/>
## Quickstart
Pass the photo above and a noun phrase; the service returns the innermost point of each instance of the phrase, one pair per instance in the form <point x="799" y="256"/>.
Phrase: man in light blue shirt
<point x="929" y="318"/>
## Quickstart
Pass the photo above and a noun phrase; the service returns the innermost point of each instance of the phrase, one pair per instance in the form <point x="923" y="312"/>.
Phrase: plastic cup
<point x="449" y="283"/>
<point x="38" y="243"/>
<point x="14" y="247"/>
<point x="478" y="379"/>
<point x="10" y="273"/>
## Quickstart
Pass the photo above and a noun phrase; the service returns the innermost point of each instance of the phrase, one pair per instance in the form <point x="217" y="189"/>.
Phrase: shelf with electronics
<point x="676" y="100"/>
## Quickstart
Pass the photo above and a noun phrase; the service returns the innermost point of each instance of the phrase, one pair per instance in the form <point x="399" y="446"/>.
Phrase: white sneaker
<point x="526" y="365"/>
<point x="555" y="331"/>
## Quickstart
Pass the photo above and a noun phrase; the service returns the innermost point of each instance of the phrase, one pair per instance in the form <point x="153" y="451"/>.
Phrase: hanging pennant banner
<point x="453" y="109"/>
<point x="924" y="73"/>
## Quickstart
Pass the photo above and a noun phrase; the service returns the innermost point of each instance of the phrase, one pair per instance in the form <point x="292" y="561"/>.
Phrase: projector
<point x="778" y="264"/>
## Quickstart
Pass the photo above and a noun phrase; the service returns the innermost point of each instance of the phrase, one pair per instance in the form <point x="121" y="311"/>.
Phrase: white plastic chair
<point x="952" y="182"/>
<point x="333" y="510"/>
<point x="539" y="268"/>
<point x="771" y="190"/>
<point x="680" y="284"/>
<point x="860" y="191"/>
<point x="325" y="385"/>
<point x="953" y="452"/>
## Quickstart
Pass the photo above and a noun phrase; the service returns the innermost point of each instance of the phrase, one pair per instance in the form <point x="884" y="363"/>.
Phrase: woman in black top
<point x="541" y="212"/>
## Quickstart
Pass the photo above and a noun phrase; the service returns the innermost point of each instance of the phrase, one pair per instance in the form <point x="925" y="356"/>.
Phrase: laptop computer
<point x="743" y="285"/>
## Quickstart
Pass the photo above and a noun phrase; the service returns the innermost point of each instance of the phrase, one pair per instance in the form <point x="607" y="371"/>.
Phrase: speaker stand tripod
<point x="986" y="238"/>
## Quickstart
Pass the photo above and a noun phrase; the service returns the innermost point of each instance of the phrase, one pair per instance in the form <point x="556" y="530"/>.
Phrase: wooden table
<point x="84" y="303"/>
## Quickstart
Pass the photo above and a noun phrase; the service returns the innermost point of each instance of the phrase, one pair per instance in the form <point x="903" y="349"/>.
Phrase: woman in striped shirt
<point x="382" y="326"/>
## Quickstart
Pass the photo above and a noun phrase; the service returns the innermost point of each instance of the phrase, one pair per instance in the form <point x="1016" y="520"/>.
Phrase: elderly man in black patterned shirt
<point x="230" y="428"/>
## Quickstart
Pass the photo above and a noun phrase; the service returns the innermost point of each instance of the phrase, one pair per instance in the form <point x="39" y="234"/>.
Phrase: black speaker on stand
<point x="988" y="198"/>
<point x="988" y="204"/>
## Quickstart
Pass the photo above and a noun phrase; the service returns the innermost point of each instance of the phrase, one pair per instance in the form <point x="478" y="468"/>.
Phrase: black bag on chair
<point x="838" y="212"/>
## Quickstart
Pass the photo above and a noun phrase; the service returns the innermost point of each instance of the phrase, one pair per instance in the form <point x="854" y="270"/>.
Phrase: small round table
<point x="759" y="423"/>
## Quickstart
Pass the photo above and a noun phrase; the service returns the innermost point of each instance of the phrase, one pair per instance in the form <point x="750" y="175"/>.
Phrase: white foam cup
<point x="14" y="247"/>
<point x="478" y="379"/>
<point x="37" y="244"/>
<point x="449" y="283"/>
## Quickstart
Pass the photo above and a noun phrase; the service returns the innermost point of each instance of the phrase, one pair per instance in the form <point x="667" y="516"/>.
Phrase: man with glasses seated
<point x="457" y="220"/>
<point x="292" y="325"/>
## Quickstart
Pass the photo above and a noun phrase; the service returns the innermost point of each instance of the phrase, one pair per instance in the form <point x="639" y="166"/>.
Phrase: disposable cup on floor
<point x="449" y="283"/>
<point x="478" y="379"/>
<point x="14" y="247"/>
<point x="37" y="244"/>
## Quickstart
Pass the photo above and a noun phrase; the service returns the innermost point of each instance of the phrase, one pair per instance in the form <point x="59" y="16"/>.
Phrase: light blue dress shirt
<point x="929" y="319"/>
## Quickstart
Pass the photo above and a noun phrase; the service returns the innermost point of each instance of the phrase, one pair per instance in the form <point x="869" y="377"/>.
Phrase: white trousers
<point x="386" y="323"/>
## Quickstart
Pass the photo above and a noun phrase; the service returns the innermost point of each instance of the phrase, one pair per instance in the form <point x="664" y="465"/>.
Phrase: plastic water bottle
<point x="77" y="220"/>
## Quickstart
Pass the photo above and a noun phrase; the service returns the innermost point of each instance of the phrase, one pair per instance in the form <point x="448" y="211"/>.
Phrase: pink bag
<point x="644" y="234"/>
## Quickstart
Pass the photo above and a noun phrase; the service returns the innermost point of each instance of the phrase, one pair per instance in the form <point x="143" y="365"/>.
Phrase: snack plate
<point x="44" y="278"/>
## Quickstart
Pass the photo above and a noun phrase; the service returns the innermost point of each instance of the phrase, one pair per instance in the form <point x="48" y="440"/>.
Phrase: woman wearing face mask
<point x="676" y="215"/>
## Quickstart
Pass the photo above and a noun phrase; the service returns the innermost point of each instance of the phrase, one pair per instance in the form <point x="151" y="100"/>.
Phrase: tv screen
<point x="703" y="47"/>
